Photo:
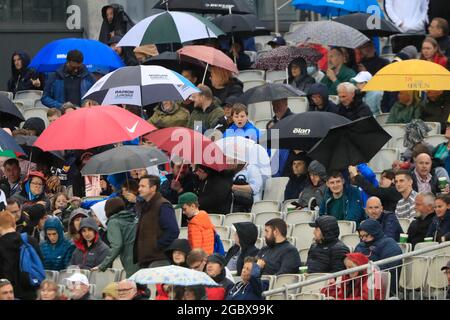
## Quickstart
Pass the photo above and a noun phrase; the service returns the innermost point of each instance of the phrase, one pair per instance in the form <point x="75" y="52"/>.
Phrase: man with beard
<point x="206" y="110"/>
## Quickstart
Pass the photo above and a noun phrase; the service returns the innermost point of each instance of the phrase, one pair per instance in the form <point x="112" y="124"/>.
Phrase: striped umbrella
<point x="170" y="27"/>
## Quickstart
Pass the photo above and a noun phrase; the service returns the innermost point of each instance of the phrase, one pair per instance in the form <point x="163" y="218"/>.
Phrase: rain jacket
<point x="344" y="75"/>
<point x="319" y="88"/>
<point x="311" y="191"/>
<point x="201" y="232"/>
<point x="328" y="255"/>
<point x="248" y="131"/>
<point x="358" y="109"/>
<point x="234" y="88"/>
<point x="436" y="111"/>
<point x="21" y="79"/>
<point x="247" y="291"/>
<point x="439" y="227"/>
<point x="390" y="225"/>
<point x="56" y="256"/>
<point x="54" y="95"/>
<point x="403" y="114"/>
<point x="178" y="245"/>
<point x="418" y="229"/>
<point x="178" y="117"/>
<point x="208" y="118"/>
<point x="89" y="257"/>
<point x="214" y="193"/>
<point x="304" y="81"/>
<point x="121" y="234"/>
<point x="281" y="258"/>
<point x="120" y="25"/>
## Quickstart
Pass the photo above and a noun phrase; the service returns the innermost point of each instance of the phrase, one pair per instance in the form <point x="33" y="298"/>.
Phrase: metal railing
<point x="415" y="275"/>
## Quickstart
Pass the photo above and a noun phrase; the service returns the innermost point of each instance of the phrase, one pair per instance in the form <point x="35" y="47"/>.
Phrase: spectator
<point x="341" y="200"/>
<point x="371" y="98"/>
<point x="181" y="180"/>
<point x="12" y="172"/>
<point x="250" y="288"/>
<point x="121" y="235"/>
<point x="441" y="151"/>
<point x="406" y="205"/>
<point x="424" y="216"/>
<point x="69" y="83"/>
<point x="197" y="292"/>
<point x="318" y="99"/>
<point x="22" y="77"/>
<point x="90" y="250"/>
<point x="405" y="109"/>
<point x="78" y="285"/>
<point x="61" y="209"/>
<point x="386" y="190"/>
<point x="169" y="114"/>
<point x="244" y="246"/>
<point x="248" y="184"/>
<point x="110" y="292"/>
<point x="280" y="111"/>
<point x="315" y="187"/>
<point x="23" y="223"/>
<point x="327" y="253"/>
<point x="241" y="125"/>
<point x="73" y="227"/>
<point x="297" y="178"/>
<point x="38" y="215"/>
<point x="200" y="228"/>
<point x="57" y="250"/>
<point x="370" y="61"/>
<point x="432" y="52"/>
<point x="127" y="290"/>
<point x="49" y="290"/>
<point x="143" y="53"/>
<point x="6" y="290"/>
<point x="130" y="192"/>
<point x="276" y="42"/>
<point x="53" y="114"/>
<point x="438" y="29"/>
<point x="191" y="74"/>
<point x="440" y="226"/>
<point x="337" y="71"/>
<point x="350" y="104"/>
<point x="215" y="268"/>
<point x="408" y="17"/>
<point x="424" y="178"/>
<point x="68" y="107"/>
<point x="238" y="55"/>
<point x="446" y="270"/>
<point x="436" y="108"/>
<point x="298" y="75"/>
<point x="115" y="22"/>
<point x="224" y="85"/>
<point x="389" y="222"/>
<point x="178" y="252"/>
<point x="157" y="226"/>
<point x="278" y="256"/>
<point x="124" y="53"/>
<point x="33" y="190"/>
<point x="196" y="259"/>
<point x="206" y="110"/>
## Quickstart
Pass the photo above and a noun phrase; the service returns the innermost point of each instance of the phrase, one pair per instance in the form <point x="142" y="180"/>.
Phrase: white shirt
<point x="411" y="14"/>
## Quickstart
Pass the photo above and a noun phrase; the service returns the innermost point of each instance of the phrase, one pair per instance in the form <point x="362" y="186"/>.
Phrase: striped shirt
<point x="406" y="207"/>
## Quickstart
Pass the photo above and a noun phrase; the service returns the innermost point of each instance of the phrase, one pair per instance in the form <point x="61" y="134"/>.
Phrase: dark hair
<point x="443" y="197"/>
<point x="152" y="180"/>
<point x="11" y="162"/>
<point x="406" y="173"/>
<point x="335" y="174"/>
<point x="132" y="186"/>
<point x="278" y="224"/>
<point x="13" y="200"/>
<point x="238" y="108"/>
<point x="388" y="174"/>
<point x="75" y="56"/>
<point x="250" y="259"/>
<point x="195" y="255"/>
<point x="113" y="206"/>
<point x="442" y="24"/>
<point x="198" y="291"/>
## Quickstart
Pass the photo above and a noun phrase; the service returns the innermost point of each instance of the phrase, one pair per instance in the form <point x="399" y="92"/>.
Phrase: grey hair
<point x="347" y="87"/>
<point x="131" y="282"/>
<point x="428" y="198"/>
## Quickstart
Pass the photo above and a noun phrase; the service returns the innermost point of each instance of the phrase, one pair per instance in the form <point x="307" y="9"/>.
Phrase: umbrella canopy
<point x="206" y="6"/>
<point x="122" y="159"/>
<point x="209" y="55"/>
<point x="359" y="21"/>
<point x="269" y="92"/>
<point x="173" y="61"/>
<point x="350" y="144"/>
<point x="87" y="128"/>
<point x="189" y="145"/>
<point x="302" y="131"/>
<point x="328" y="33"/>
<point x="241" y="25"/>
<point x="173" y="275"/>
<point x="170" y="27"/>
<point x="36" y="155"/>
<point x="10" y="116"/>
<point x="141" y="85"/>
<point x="279" y="58"/>
<point x="7" y="143"/>
<point x="96" y="55"/>
<point x="335" y="8"/>
<point x="410" y="75"/>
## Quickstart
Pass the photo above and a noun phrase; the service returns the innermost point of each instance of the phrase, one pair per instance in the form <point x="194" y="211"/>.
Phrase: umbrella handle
<point x="29" y="163"/>
<point x="204" y="74"/>
<point x="178" y="175"/>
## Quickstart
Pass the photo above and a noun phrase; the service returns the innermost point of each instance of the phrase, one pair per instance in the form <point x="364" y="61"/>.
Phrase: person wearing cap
<point x="337" y="71"/>
<point x="351" y="104"/>
<point x="370" y="61"/>
<point x="436" y="108"/>
<point x="446" y="270"/>
<point x="90" y="249"/>
<point x="319" y="99"/>
<point x="200" y="228"/>
<point x="169" y="114"/>
<point x="298" y="75"/>
<point x="371" y="98"/>
<point x="216" y="269"/>
<point x="78" y="285"/>
<point x="69" y="83"/>
<point x="145" y="52"/>
<point x="327" y="253"/>
<point x="276" y="42"/>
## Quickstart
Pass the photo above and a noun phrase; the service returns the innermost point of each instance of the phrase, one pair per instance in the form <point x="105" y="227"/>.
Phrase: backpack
<point x="218" y="245"/>
<point x="30" y="262"/>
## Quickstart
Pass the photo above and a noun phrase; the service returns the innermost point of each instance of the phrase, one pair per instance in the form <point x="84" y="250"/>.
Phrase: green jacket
<point x="121" y="234"/>
<point x="403" y="114"/>
<point x="178" y="117"/>
<point x="209" y="118"/>
<point x="344" y="75"/>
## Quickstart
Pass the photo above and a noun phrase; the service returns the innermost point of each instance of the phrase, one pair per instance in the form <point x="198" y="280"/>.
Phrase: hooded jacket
<point x="56" y="256"/>
<point x="358" y="109"/>
<point x="281" y="258"/>
<point x="120" y="25"/>
<point x="251" y="290"/>
<point x="177" y="117"/>
<point x="121" y="234"/>
<point x="322" y="90"/>
<point x="233" y="88"/>
<point x="89" y="257"/>
<point x="390" y="225"/>
<point x="248" y="234"/>
<point x="327" y="256"/>
<point x="418" y="229"/>
<point x="401" y="113"/>
<point x="304" y="81"/>
<point x="201" y="232"/>
<point x="214" y="193"/>
<point x="178" y="245"/>
<point x="311" y="191"/>
<point x="209" y="118"/>
<point x="439" y="227"/>
<point x="21" y="79"/>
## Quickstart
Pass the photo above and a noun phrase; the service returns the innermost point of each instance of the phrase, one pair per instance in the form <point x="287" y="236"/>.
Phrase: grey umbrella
<point x="124" y="158"/>
<point x="328" y="33"/>
<point x="269" y="92"/>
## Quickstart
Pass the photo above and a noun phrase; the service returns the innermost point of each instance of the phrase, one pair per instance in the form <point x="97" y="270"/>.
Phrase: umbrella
<point x="206" y="6"/>
<point x="410" y="75"/>
<point x="335" y="8"/>
<point x="328" y="33"/>
<point x="10" y="116"/>
<point x="190" y="145"/>
<point x="172" y="61"/>
<point x="350" y="144"/>
<point x="241" y="25"/>
<point x="173" y="275"/>
<point x="269" y="92"/>
<point x="279" y="58"/>
<point x="209" y="55"/>
<point x="359" y="21"/>
<point x="8" y="144"/>
<point x="302" y="131"/>
<point x="170" y="27"/>
<point x="96" y="55"/>
<point x="36" y="155"/>
<point x="141" y="86"/>
<point x="124" y="158"/>
<point x="87" y="128"/>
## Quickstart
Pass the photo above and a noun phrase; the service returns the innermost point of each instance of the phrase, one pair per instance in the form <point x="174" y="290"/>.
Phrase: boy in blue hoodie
<point x="241" y="126"/>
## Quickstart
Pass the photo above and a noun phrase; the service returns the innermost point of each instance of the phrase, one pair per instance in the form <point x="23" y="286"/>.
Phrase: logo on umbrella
<point x="61" y="56"/>
<point x="301" y="131"/>
<point x="124" y="94"/>
<point x="158" y="76"/>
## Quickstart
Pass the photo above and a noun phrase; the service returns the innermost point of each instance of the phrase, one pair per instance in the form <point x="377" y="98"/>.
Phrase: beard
<point x="270" y="242"/>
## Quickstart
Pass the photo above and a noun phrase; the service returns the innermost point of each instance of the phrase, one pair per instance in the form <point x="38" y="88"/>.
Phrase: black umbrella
<point x="123" y="159"/>
<point x="303" y="130"/>
<point x="173" y="61"/>
<point x="10" y="116"/>
<point x="205" y="6"/>
<point x="52" y="158"/>
<point x="269" y="92"/>
<point x="350" y="144"/>
<point x="241" y="25"/>
<point x="363" y="22"/>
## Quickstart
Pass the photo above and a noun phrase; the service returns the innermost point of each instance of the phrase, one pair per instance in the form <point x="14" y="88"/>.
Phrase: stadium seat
<point x="252" y="55"/>
<point x="260" y="242"/>
<point x="304" y="234"/>
<point x="316" y="287"/>
<point x="237" y="217"/>
<point x="298" y="104"/>
<point x="287" y="204"/>
<point x="52" y="275"/>
<point x="20" y="106"/>
<point x="382" y="118"/>
<point x="217" y="219"/>
<point x="261" y="124"/>
<point x="422" y="245"/>
<point x="280" y="81"/>
<point x="303" y="255"/>
<point x="346" y="227"/>
<point x="396" y="130"/>
<point x="299" y="216"/>
<point x="102" y="279"/>
<point x="260" y="111"/>
<point x="404" y="223"/>
<point x="223" y="232"/>
<point x="274" y="75"/>
<point x="292" y="240"/>
<point x="350" y="240"/>
<point x="261" y="42"/>
<point x="252" y="84"/>
<point x="397" y="143"/>
<point x="269" y="279"/>
<point x="227" y="244"/>
<point x="295" y="25"/>
<point x="435" y="127"/>
<point x="436" y="279"/>
<point x="274" y="188"/>
<point x="39" y="104"/>
<point x="29" y="94"/>
<point x="413" y="273"/>
<point x="7" y="94"/>
<point x="265" y="206"/>
<point x="435" y="139"/>
<point x="278" y="296"/>
<point x="246" y="75"/>
<point x="406" y="247"/>
<point x="183" y="233"/>
<point x="284" y="279"/>
<point x="36" y="113"/>
<point x="117" y="264"/>
<point x="384" y="159"/>
<point x="308" y="296"/>
<point x="262" y="217"/>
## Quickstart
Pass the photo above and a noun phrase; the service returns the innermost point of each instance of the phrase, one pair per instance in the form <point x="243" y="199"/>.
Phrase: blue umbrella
<point x="335" y="7"/>
<point x="97" y="56"/>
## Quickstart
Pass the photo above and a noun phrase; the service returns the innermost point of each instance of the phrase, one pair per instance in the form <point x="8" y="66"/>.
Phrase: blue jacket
<point x="250" y="291"/>
<point x="322" y="90"/>
<point x="54" y="97"/>
<point x="354" y="210"/>
<point x="56" y="256"/>
<point x="439" y="227"/>
<point x="248" y="131"/>
<point x="390" y="225"/>
<point x="370" y="176"/>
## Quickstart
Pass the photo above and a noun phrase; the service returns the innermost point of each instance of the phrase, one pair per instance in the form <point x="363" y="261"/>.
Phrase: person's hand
<point x="353" y="171"/>
<point x="446" y="190"/>
<point x="261" y="263"/>
<point x="331" y="75"/>
<point x="176" y="186"/>
<point x="57" y="211"/>
<point x="53" y="183"/>
<point x="131" y="197"/>
<point x="42" y="203"/>
<point x="36" y="82"/>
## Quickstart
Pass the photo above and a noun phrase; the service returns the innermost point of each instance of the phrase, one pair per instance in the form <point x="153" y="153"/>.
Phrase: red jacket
<point x="345" y="290"/>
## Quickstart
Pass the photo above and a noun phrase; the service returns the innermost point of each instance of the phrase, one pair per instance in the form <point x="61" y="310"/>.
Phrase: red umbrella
<point x="87" y="128"/>
<point x="190" y="145"/>
<point x="209" y="55"/>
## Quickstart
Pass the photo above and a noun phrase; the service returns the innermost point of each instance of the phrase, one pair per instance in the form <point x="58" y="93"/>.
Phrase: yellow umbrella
<point x="420" y="75"/>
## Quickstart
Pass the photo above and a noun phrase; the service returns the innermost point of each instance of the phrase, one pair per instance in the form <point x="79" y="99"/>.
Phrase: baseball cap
<point x="277" y="41"/>
<point x="187" y="197"/>
<point x="447" y="266"/>
<point x="361" y="77"/>
<point x="78" y="277"/>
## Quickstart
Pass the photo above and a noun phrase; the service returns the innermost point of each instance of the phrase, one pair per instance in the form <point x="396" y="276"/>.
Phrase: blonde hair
<point x="435" y="45"/>
<point x="52" y="285"/>
<point x="7" y="220"/>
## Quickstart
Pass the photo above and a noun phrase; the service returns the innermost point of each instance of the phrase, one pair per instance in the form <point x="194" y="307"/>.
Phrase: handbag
<point x="241" y="199"/>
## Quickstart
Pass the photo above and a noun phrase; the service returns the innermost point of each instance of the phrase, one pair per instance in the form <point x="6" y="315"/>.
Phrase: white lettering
<point x="73" y="22"/>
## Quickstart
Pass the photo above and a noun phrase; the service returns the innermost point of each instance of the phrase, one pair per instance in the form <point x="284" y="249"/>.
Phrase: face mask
<point x="311" y="70"/>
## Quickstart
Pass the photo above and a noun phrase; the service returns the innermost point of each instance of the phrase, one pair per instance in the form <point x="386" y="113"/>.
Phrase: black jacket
<point x="439" y="227"/>
<point x="358" y="109"/>
<point x="418" y="229"/>
<point x="328" y="255"/>
<point x="187" y="183"/>
<point x="234" y="88"/>
<point x="21" y="79"/>
<point x="120" y="25"/>
<point x="178" y="245"/>
<point x="390" y="225"/>
<point x="295" y="186"/>
<point x="304" y="81"/>
<point x="320" y="88"/>
<point x="226" y="283"/>
<point x="374" y="64"/>
<point x="214" y="193"/>
<point x="281" y="258"/>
